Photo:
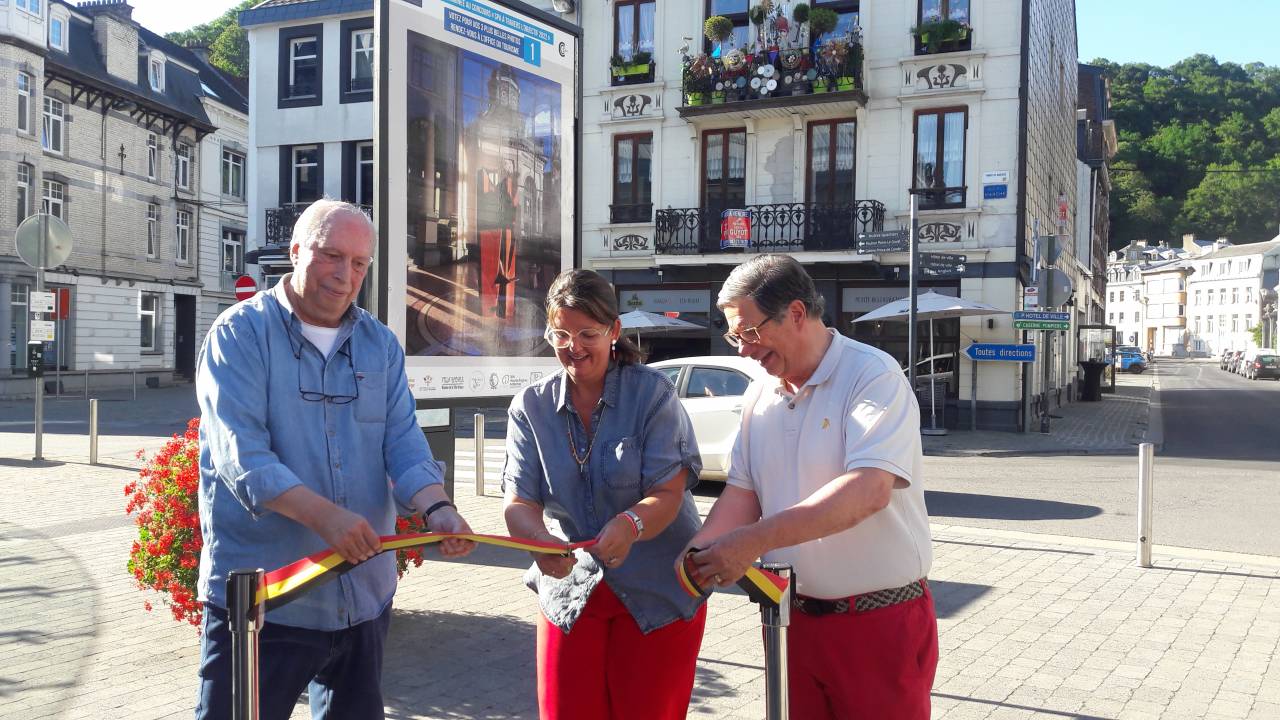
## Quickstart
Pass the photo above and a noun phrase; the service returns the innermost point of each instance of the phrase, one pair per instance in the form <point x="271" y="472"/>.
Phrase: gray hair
<point x="314" y="222"/>
<point x="773" y="282"/>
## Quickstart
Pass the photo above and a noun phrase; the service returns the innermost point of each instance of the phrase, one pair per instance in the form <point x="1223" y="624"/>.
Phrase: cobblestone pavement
<point x="1111" y="426"/>
<point x="1031" y="625"/>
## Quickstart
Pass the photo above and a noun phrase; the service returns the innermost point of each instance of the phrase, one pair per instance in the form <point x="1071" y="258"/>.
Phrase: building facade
<point x="814" y="140"/>
<point x="1228" y="294"/>
<point x="110" y="125"/>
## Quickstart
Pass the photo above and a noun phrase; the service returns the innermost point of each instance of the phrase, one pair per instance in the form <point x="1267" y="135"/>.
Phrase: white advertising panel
<point x="476" y="135"/>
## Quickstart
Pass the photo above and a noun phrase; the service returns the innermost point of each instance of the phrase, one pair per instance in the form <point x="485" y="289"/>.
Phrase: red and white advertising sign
<point x="246" y="287"/>
<point x="735" y="228"/>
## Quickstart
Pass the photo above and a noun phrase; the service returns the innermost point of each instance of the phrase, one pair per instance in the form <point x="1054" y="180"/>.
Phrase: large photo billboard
<point x="476" y="133"/>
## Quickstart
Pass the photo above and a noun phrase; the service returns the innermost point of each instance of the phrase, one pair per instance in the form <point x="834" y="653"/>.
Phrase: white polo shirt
<point x="856" y="411"/>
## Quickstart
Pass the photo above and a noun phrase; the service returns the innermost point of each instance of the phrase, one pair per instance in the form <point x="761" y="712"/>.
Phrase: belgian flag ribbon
<point x="285" y="584"/>
<point x="761" y="586"/>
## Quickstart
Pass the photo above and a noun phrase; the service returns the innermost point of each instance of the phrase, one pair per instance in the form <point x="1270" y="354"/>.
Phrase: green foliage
<point x="1195" y="141"/>
<point x="800" y="12"/>
<point x="756" y="14"/>
<point x="228" y="45"/>
<point x="718" y="28"/>
<point x="822" y="21"/>
<point x="1256" y="332"/>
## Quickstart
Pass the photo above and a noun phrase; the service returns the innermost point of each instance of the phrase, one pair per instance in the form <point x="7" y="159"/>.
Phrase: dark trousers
<point x="341" y="670"/>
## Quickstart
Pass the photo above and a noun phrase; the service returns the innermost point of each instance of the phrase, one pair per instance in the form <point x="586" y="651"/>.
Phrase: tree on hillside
<point x="1174" y="125"/>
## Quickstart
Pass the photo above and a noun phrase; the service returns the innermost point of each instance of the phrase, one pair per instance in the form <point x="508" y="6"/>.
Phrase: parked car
<point x="944" y="368"/>
<point x="1128" y="360"/>
<point x="1230" y="359"/>
<point x="1262" y="364"/>
<point x="1135" y="349"/>
<point x="711" y="388"/>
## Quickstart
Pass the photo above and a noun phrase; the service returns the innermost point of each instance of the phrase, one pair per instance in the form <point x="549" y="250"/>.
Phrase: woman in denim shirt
<point x="604" y="450"/>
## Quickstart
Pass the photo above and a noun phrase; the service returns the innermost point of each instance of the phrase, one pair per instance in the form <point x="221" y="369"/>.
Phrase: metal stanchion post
<point x="135" y="385"/>
<point x="245" y="616"/>
<point x="86" y="383"/>
<point x="775" y="621"/>
<point x="479" y="438"/>
<point x="1146" y="461"/>
<point x="93" y="432"/>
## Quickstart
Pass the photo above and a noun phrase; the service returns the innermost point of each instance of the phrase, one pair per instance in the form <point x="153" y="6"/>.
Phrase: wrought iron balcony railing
<point x="820" y="227"/>
<point x="280" y="221"/>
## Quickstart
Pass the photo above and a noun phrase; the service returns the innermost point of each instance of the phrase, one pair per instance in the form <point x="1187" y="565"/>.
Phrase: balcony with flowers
<point x="943" y="26"/>
<point x="785" y="60"/>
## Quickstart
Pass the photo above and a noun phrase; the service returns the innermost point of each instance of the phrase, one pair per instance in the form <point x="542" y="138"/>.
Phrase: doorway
<point x="184" y="340"/>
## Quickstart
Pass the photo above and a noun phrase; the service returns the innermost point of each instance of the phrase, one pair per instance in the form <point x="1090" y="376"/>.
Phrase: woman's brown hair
<point x="589" y="293"/>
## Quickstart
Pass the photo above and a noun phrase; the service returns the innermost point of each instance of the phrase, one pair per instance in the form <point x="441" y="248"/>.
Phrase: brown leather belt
<point x="861" y="603"/>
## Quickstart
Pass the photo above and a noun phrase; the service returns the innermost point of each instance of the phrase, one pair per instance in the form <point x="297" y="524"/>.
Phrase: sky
<point x="1159" y="32"/>
<point x="1162" y="32"/>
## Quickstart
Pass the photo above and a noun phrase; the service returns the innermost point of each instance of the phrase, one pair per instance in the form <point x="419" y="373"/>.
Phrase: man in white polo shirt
<point x="826" y="476"/>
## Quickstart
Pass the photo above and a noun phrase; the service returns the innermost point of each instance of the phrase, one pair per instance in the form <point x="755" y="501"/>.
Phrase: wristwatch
<point x="635" y="520"/>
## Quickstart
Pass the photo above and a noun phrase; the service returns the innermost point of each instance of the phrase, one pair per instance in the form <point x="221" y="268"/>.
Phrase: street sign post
<point x="1001" y="353"/>
<point x="246" y="287"/>
<point x="43" y="241"/>
<point x="883" y="241"/>
<point x="1025" y="320"/>
<point x="942" y="265"/>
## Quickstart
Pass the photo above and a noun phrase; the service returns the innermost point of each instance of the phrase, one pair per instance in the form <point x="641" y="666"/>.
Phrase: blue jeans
<point x="341" y="670"/>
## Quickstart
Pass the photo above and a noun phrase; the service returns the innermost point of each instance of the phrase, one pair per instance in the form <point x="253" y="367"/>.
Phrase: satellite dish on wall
<point x="562" y="6"/>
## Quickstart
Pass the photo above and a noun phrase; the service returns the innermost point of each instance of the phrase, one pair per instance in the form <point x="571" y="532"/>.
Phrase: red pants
<point x="605" y="669"/>
<point x="878" y="664"/>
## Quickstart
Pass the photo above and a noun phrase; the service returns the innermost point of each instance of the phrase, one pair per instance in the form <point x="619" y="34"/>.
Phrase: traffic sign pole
<point x="39" y="413"/>
<point x="914" y="248"/>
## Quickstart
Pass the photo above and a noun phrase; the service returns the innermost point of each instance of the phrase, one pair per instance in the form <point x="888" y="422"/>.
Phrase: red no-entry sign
<point x="245" y="287"/>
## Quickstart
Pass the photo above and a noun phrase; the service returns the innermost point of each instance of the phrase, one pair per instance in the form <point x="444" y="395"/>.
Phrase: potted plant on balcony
<point x="757" y="15"/>
<point x="718" y="29"/>
<point x="622" y="69"/>
<point x="939" y="35"/>
<point x="821" y="22"/>
<point x="800" y="13"/>
<point x="697" y="80"/>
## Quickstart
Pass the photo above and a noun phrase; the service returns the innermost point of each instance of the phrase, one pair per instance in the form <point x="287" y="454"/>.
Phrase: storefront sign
<point x="664" y="301"/>
<point x="735" y="228"/>
<point x="866" y="299"/>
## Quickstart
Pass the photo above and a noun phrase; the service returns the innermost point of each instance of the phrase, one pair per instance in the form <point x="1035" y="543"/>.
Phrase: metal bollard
<point x="245" y="617"/>
<point x="86" y="383"/>
<point x="135" y="385"/>
<point x="775" y="621"/>
<point x="479" y="438"/>
<point x="1146" y="462"/>
<point x="93" y="432"/>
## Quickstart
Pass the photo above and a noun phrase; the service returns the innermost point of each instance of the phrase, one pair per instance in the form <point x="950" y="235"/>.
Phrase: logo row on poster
<point x="475" y="382"/>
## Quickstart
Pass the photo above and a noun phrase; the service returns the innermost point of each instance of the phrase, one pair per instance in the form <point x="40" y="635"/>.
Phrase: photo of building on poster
<point x="484" y="184"/>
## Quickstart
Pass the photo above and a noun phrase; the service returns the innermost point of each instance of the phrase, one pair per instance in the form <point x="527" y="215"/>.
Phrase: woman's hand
<point x="556" y="566"/>
<point x="614" y="542"/>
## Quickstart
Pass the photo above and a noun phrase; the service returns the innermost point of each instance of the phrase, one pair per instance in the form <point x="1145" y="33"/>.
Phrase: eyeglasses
<point x="336" y="399"/>
<point x="561" y="339"/>
<point x="747" y="336"/>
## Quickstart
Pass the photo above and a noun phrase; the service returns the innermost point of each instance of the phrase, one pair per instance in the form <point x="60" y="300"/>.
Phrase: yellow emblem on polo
<point x="826" y="423"/>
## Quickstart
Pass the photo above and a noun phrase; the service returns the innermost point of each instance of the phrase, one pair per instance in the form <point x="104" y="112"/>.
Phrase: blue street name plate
<point x="1042" y="316"/>
<point x="1006" y="353"/>
<point x="995" y="192"/>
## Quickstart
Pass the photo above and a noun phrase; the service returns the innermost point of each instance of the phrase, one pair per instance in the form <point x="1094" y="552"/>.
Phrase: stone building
<point x="112" y="129"/>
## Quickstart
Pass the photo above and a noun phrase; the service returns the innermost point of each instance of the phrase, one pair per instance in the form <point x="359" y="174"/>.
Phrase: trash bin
<point x="1092" y="389"/>
<point x="437" y="425"/>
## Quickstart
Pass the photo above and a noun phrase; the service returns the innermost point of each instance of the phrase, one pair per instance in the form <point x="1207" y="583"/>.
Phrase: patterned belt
<point x="861" y="603"/>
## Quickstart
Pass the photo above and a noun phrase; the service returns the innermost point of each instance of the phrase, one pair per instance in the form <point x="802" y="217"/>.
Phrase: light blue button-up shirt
<point x="643" y="437"/>
<point x="259" y="437"/>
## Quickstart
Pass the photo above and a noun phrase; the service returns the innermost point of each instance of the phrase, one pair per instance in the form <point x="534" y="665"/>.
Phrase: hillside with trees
<point x="1199" y="150"/>
<point x="226" y="40"/>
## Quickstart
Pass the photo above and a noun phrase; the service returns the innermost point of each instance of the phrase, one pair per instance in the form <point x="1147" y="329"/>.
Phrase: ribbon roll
<point x="761" y="586"/>
<point x="285" y="584"/>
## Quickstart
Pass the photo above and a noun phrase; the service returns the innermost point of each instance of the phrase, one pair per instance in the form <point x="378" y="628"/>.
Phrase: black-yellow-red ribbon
<point x="285" y="584"/>
<point x="761" y="586"/>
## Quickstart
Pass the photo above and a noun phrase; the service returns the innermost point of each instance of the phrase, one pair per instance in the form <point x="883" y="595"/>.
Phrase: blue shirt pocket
<point x="622" y="463"/>
<point x="371" y="404"/>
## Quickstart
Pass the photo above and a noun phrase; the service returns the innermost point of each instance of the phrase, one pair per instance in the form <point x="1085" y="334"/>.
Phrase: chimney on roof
<point x="1189" y="241"/>
<point x="116" y="8"/>
<point x="198" y="50"/>
<point x="116" y="35"/>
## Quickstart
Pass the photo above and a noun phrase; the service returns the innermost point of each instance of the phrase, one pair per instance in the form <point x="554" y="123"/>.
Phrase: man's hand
<point x="727" y="559"/>
<point x="613" y="544"/>
<point x="349" y="534"/>
<point x="448" y="520"/>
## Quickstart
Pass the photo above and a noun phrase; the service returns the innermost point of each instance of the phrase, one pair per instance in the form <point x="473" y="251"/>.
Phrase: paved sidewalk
<point x="1031" y="625"/>
<point x="1113" y="426"/>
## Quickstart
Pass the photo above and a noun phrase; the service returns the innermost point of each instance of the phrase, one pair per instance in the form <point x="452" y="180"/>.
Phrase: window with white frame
<point x="306" y="173"/>
<point x="30" y="6"/>
<point x="153" y="155"/>
<point x="183" y="230"/>
<point x="1248" y="322"/>
<point x="57" y="33"/>
<point x="303" y="67"/>
<point x="1235" y="323"/>
<point x="184" y="166"/>
<point x="24" y="191"/>
<point x="156" y="73"/>
<point x="361" y="60"/>
<point x="24" y="102"/>
<point x="153" y="230"/>
<point x="1235" y="295"/>
<point x="232" y="251"/>
<point x="364" y="174"/>
<point x="53" y="199"/>
<point x="51" y="132"/>
<point x="149" y="314"/>
<point x="232" y="173"/>
<point x="1248" y="296"/>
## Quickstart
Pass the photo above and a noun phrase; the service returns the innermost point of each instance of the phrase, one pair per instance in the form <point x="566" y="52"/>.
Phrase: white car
<point x="711" y="388"/>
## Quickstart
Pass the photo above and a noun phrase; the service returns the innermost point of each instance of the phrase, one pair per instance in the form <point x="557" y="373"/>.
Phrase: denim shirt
<point x="643" y="438"/>
<point x="259" y="438"/>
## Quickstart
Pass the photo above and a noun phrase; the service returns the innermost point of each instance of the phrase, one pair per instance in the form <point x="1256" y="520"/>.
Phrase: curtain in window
<point x="737" y="156"/>
<point x="626" y="32"/>
<point x="930" y="10"/>
<point x="625" y="150"/>
<point x="715" y="157"/>
<point x="645" y="41"/>
<point x="926" y="149"/>
<point x="644" y="163"/>
<point x="844" y="146"/>
<point x="953" y="155"/>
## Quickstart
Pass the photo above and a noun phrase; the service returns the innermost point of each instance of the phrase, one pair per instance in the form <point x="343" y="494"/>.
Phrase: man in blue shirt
<point x="308" y="440"/>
